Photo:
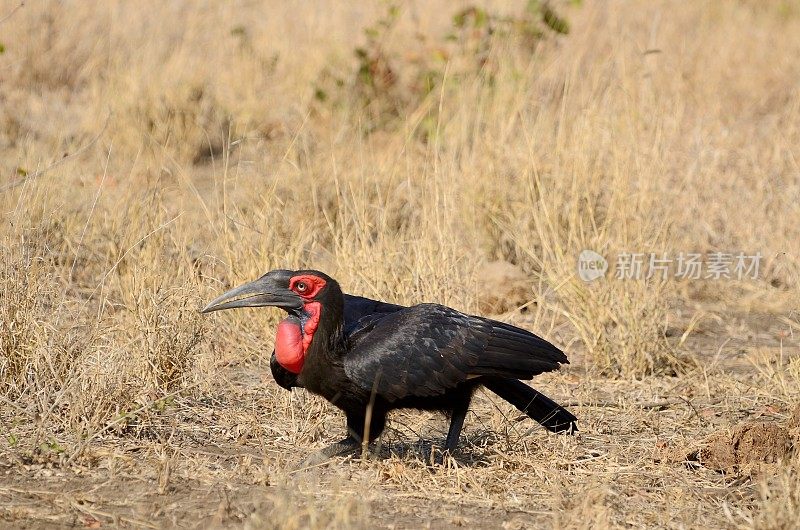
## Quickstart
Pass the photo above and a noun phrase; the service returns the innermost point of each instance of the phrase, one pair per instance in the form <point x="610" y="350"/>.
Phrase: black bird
<point x="368" y="357"/>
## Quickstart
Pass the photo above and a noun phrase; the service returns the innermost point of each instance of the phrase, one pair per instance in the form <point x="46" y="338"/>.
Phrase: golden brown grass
<point x="154" y="155"/>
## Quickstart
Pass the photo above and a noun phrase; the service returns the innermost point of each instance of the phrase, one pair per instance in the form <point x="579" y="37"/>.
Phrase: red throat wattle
<point x="291" y="344"/>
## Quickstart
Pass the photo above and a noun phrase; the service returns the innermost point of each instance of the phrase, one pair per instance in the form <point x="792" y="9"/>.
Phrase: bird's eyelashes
<point x="301" y="287"/>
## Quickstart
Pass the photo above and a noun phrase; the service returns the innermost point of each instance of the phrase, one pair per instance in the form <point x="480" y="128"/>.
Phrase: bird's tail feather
<point x="539" y="407"/>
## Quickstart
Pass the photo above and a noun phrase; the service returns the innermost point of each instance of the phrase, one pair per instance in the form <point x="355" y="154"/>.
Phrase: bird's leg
<point x="456" y="423"/>
<point x="371" y="419"/>
<point x="356" y="424"/>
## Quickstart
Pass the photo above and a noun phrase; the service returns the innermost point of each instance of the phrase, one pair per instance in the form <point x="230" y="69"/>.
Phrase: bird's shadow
<point x="474" y="450"/>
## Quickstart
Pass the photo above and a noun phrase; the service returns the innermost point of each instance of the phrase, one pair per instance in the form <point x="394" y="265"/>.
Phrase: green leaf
<point x="51" y="445"/>
<point x="553" y="21"/>
<point x="460" y="18"/>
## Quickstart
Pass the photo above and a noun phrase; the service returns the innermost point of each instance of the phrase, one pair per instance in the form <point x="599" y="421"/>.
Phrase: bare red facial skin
<point x="291" y="344"/>
<point x="313" y="309"/>
<point x="289" y="351"/>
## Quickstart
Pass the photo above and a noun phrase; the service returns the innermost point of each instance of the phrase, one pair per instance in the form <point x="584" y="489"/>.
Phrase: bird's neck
<point x="328" y="340"/>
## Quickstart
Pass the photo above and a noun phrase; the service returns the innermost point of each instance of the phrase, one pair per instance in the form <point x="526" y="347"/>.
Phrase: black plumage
<point x="369" y="357"/>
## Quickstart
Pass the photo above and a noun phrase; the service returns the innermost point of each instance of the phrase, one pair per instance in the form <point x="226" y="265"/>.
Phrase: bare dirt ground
<point x="217" y="461"/>
<point x="155" y="154"/>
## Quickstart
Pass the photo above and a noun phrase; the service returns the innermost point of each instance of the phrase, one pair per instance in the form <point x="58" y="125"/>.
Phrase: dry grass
<point x="154" y="155"/>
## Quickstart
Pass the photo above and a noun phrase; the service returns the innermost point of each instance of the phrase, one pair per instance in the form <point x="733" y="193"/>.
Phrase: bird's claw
<point x="315" y="459"/>
<point x="340" y="448"/>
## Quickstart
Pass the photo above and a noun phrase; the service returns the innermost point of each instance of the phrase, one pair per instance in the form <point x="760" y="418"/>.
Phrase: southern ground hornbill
<point x="368" y="357"/>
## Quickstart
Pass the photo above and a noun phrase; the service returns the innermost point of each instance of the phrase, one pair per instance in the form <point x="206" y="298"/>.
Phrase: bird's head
<point x="289" y="290"/>
<point x="308" y="296"/>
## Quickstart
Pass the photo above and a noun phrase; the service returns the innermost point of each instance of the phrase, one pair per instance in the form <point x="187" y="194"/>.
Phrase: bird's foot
<point x="340" y="448"/>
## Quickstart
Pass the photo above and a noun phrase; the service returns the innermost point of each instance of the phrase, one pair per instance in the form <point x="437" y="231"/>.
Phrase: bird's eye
<point x="301" y="287"/>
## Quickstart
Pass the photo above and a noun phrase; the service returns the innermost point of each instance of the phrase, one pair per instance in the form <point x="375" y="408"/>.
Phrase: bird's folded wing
<point x="360" y="312"/>
<point x="428" y="349"/>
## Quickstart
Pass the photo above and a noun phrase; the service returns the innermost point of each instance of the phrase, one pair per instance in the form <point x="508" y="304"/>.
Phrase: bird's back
<point x="430" y="349"/>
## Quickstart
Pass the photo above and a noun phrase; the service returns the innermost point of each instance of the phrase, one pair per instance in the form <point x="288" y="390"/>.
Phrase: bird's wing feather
<point x="428" y="349"/>
<point x="361" y="312"/>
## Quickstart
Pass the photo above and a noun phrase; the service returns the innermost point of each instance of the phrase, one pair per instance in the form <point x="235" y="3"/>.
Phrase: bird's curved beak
<point x="263" y="292"/>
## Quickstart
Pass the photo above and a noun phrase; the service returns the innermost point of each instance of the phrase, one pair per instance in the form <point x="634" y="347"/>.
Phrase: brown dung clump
<point x="743" y="448"/>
